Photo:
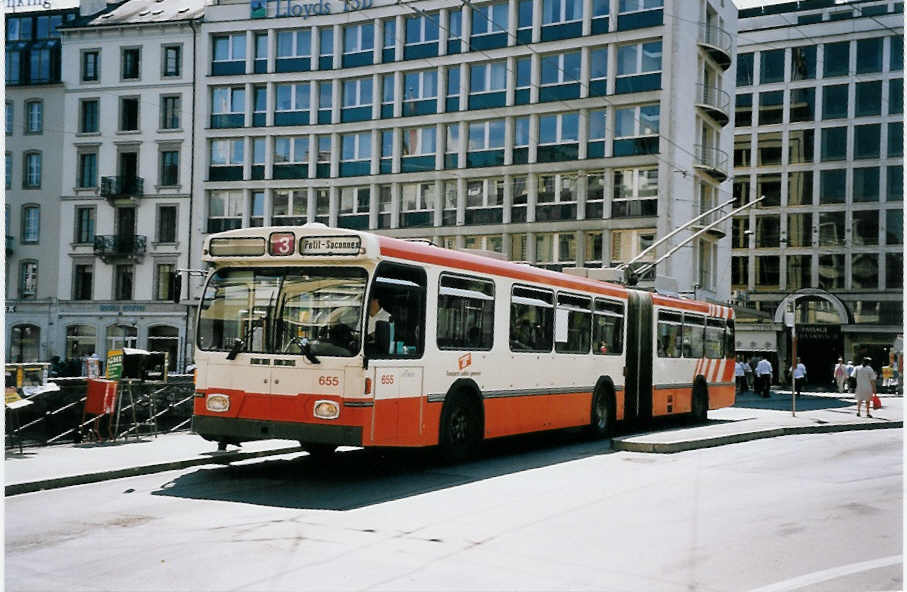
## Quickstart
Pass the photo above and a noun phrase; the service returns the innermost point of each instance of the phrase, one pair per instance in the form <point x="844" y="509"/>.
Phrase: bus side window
<point x="669" y="334"/>
<point x="693" y="335"/>
<point x="608" y="328"/>
<point x="465" y="313"/>
<point x="573" y="324"/>
<point x="714" y="339"/>
<point x="531" y="319"/>
<point x="400" y="291"/>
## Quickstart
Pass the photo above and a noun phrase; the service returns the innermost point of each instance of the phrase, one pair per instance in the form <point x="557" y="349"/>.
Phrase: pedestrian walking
<point x="748" y="374"/>
<point x="798" y="373"/>
<point x="740" y="374"/>
<point x="851" y="381"/>
<point x="865" y="378"/>
<point x="840" y="375"/>
<point x="764" y="377"/>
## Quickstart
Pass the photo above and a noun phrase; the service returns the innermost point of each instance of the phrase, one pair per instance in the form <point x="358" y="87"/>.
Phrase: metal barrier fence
<point x="57" y="417"/>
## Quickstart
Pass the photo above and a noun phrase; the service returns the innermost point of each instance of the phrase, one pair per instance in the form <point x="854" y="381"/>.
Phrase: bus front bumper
<point x="234" y="431"/>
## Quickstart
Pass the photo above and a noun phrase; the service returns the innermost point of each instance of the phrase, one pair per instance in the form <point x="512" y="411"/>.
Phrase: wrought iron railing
<point x="714" y="97"/>
<point x="122" y="186"/>
<point x="129" y="245"/>
<point x="714" y="159"/>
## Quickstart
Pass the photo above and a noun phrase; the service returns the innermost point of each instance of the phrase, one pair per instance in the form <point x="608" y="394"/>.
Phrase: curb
<point x="672" y="447"/>
<point x="57" y="482"/>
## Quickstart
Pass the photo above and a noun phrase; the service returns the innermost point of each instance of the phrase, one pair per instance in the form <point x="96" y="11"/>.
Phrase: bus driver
<point x="375" y="314"/>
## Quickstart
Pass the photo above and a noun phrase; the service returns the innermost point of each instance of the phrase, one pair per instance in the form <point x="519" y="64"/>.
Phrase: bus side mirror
<point x="383" y="336"/>
<point x="176" y="286"/>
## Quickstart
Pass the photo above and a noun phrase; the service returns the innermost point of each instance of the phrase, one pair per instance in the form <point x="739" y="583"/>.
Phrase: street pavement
<point x="751" y="418"/>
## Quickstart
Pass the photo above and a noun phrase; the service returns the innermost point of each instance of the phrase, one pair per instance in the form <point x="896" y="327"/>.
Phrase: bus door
<point x="638" y="380"/>
<point x="397" y="416"/>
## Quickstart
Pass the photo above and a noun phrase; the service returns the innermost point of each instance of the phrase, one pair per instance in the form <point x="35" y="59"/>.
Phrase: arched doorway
<point x="25" y="343"/>
<point x="820" y="317"/>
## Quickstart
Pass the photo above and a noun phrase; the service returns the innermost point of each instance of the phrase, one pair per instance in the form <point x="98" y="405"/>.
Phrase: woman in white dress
<point x="866" y="385"/>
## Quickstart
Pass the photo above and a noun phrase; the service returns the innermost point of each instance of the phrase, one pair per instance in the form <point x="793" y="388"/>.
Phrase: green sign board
<point x="114" y="364"/>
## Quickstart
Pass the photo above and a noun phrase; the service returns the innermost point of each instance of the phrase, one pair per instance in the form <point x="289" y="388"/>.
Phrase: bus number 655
<point x="328" y="381"/>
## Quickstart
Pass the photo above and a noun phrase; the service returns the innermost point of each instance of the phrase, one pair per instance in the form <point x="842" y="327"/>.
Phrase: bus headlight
<point x="327" y="410"/>
<point x="217" y="402"/>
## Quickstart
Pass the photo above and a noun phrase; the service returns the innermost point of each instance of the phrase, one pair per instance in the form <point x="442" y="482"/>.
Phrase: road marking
<point x="829" y="574"/>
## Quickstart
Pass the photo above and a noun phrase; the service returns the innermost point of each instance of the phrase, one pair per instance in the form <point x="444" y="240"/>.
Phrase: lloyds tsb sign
<point x="283" y="8"/>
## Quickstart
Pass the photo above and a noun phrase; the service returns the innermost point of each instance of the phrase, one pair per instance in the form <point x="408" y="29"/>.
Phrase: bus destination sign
<point x="329" y="245"/>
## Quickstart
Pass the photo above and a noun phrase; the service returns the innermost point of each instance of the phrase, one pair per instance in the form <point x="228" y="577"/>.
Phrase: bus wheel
<point x="602" y="414"/>
<point x="700" y="403"/>
<point x="461" y="429"/>
<point x="318" y="451"/>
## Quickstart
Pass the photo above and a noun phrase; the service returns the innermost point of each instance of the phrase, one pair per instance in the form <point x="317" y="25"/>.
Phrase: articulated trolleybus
<point x="334" y="337"/>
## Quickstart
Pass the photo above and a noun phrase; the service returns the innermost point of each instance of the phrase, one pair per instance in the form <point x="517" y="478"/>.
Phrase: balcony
<point x="715" y="102"/>
<point x="130" y="247"/>
<point x="712" y="161"/>
<point x="123" y="187"/>
<point x="718" y="43"/>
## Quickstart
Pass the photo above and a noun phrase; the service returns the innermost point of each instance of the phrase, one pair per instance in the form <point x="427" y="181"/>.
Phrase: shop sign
<point x="121" y="307"/>
<point x="819" y="332"/>
<point x="259" y="9"/>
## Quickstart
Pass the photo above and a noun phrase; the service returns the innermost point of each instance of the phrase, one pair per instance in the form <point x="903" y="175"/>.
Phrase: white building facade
<point x="819" y="133"/>
<point x="35" y="125"/>
<point x="562" y="133"/>
<point x="126" y="199"/>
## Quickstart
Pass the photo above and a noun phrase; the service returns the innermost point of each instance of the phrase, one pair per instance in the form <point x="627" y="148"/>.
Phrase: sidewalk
<point x="751" y="418"/>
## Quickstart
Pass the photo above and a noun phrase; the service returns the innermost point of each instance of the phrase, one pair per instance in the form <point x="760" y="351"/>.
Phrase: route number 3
<point x="328" y="381"/>
<point x="282" y="243"/>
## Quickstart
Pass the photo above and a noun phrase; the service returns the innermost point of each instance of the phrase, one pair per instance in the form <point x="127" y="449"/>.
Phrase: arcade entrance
<point x="819" y="317"/>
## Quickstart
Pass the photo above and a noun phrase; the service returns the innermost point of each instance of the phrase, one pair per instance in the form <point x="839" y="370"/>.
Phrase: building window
<point x="421" y="29"/>
<point x="120" y="336"/>
<point x="419" y="141"/>
<point x="357" y="93"/>
<point x="28" y="279"/>
<point x="354" y="200"/>
<point x="34" y="117"/>
<point x="895" y="96"/>
<point x="771" y="107"/>
<point x="768" y="271"/>
<point x="10" y="118"/>
<point x="418" y="197"/>
<point x="834" y="143"/>
<point x="261" y="46"/>
<point x="831" y="272"/>
<point x="356" y="147"/>
<point x="866" y="141"/>
<point x="641" y="58"/>
<point x="560" y="68"/>
<point x="802" y="105"/>
<point x="771" y="66"/>
<point x="129" y="114"/>
<point x="635" y="193"/>
<point x="561" y="11"/>
<point x="82" y="281"/>
<point x="257" y="217"/>
<point x="89" y="116"/>
<point x="895" y="176"/>
<point x="170" y="168"/>
<point x="25" y="343"/>
<point x="227" y="152"/>
<point x="163" y="338"/>
<point x="642" y="120"/>
<point x="90" y="65"/>
<point x="837" y="59"/>
<point x="289" y="207"/>
<point x="228" y="48"/>
<point x="769" y="149"/>
<point x="831" y="229"/>
<point x="294" y="44"/>
<point x="80" y="341"/>
<point x="489" y="19"/>
<point x="358" y="38"/>
<point x="228" y="107"/>
<point x="869" y="55"/>
<point x="170" y="112"/>
<point x="799" y="271"/>
<point x="88" y="170"/>
<point x="123" y="280"/>
<point x="799" y="230"/>
<point x="173" y="60"/>
<point x="834" y="101"/>
<point x="31" y="178"/>
<point x="803" y="62"/>
<point x="130" y="59"/>
<point x="40" y="66"/>
<point x="489" y="77"/>
<point x="486" y="135"/>
<point x="896" y="57"/>
<point x="832" y="186"/>
<point x="744" y="69"/>
<point x="326" y="41"/>
<point x="800" y="188"/>
<point x="325" y="101"/>
<point x="865" y="228"/>
<point x="894" y="274"/>
<point x="9" y="172"/>
<point x="85" y="217"/>
<point x="166" y="224"/>
<point x="291" y="150"/>
<point x="420" y="86"/>
<point x="894" y="227"/>
<point x="225" y="210"/>
<point x="559" y="188"/>
<point x="895" y="139"/>
<point x="800" y="146"/>
<point x="290" y="98"/>
<point x="562" y="128"/>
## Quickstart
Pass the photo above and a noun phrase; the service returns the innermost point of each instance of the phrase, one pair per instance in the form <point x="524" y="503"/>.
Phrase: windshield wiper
<point x="306" y="347"/>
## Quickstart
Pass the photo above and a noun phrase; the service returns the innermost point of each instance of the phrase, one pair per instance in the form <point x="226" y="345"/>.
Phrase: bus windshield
<point x="313" y="310"/>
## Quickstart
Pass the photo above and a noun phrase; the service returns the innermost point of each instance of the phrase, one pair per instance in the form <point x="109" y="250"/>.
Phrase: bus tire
<point x="700" y="404"/>
<point x="602" y="417"/>
<point x="461" y="428"/>
<point x="317" y="450"/>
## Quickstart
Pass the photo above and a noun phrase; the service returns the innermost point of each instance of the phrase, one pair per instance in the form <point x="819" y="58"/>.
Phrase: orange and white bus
<point x="335" y="337"/>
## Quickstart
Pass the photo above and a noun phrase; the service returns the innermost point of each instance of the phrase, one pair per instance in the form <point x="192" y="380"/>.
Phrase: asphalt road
<point x="812" y="512"/>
